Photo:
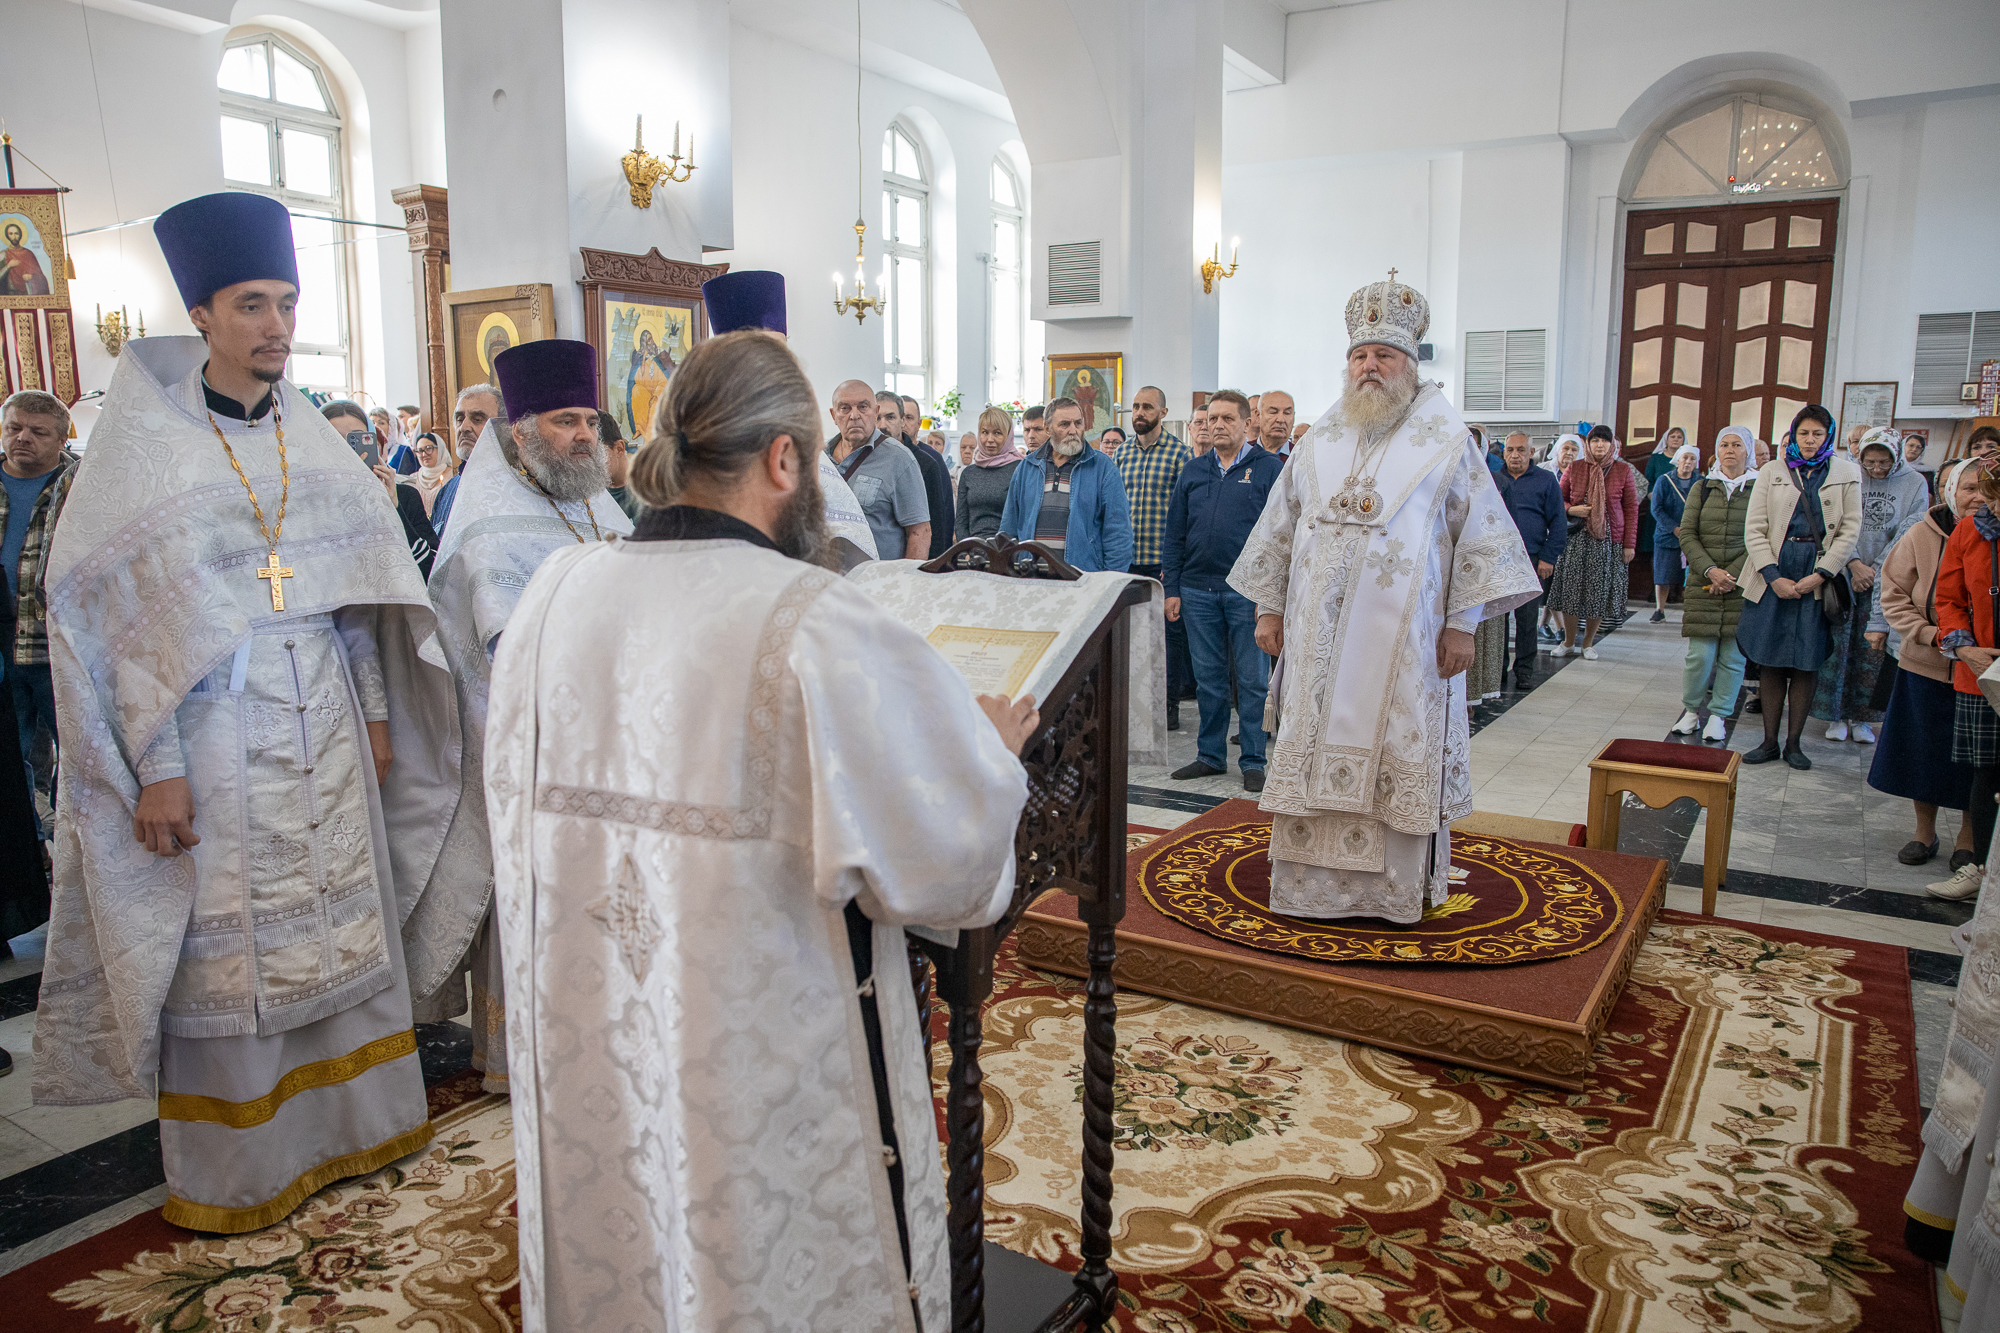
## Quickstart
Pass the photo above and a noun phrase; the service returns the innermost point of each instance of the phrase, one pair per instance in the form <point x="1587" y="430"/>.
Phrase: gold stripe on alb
<point x="234" y="1221"/>
<point x="319" y="1074"/>
<point x="1930" y="1219"/>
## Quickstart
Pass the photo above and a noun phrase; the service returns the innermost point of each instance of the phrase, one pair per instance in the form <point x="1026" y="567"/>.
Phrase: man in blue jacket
<point x="1215" y="504"/>
<point x="1070" y="498"/>
<point x="1534" y="498"/>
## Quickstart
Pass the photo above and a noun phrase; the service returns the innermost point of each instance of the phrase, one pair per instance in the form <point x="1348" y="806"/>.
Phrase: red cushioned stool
<point x="1658" y="773"/>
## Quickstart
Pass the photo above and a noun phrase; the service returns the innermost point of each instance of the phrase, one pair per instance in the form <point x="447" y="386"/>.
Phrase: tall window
<point x="281" y="137"/>
<point x="1006" y="289"/>
<point x="906" y="243"/>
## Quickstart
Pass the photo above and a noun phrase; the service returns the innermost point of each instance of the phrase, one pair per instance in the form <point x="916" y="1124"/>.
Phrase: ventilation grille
<point x="1505" y="370"/>
<point x="1950" y="350"/>
<point x="1073" y="273"/>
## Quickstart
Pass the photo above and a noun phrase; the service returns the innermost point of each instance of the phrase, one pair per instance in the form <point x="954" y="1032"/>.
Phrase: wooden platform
<point x="1537" y="1020"/>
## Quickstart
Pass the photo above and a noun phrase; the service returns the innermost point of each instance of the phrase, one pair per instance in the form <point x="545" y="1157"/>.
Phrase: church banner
<point x="39" y="332"/>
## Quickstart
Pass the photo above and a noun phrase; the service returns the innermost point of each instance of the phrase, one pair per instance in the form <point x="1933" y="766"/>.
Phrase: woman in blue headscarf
<point x="1804" y="521"/>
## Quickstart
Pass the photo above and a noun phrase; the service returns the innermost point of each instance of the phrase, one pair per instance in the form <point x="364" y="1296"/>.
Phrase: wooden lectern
<point x="1071" y="837"/>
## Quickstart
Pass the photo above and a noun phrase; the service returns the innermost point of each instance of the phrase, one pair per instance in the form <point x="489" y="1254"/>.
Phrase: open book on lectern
<point x="1018" y="636"/>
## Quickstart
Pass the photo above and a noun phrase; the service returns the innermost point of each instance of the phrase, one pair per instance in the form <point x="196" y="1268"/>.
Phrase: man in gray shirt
<point x="883" y="475"/>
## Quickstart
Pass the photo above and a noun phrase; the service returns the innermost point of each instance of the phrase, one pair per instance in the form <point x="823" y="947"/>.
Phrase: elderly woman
<point x="1601" y="491"/>
<point x="1657" y="464"/>
<point x="1760" y="454"/>
<point x="433" y="471"/>
<point x="1894" y="497"/>
<point x="1711" y="537"/>
<point x="1669" y="499"/>
<point x="1804" y="521"/>
<point x="982" y="487"/>
<point x="1912" y="760"/>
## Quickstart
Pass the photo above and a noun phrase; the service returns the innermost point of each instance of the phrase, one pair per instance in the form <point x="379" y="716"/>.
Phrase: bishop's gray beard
<point x="569" y="480"/>
<point x="1372" y="411"/>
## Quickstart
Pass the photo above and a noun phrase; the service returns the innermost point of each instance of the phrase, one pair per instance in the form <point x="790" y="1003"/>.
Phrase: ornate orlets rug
<point x="1520" y="903"/>
<point x="1735" y="1164"/>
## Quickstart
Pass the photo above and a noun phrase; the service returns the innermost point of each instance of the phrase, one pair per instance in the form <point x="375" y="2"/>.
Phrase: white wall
<point x="155" y="142"/>
<point x="1543" y="103"/>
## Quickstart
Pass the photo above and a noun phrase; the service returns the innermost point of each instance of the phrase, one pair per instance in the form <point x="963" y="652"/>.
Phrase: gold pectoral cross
<point x="276" y="573"/>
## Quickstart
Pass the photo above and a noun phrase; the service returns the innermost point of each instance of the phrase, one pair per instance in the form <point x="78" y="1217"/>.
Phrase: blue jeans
<point x="1222" y="632"/>
<point x="34" y="706"/>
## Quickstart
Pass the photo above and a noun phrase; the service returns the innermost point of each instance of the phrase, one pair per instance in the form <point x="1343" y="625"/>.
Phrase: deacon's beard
<point x="567" y="479"/>
<point x="1372" y="406"/>
<point x="1071" y="450"/>
<point x="801" y="530"/>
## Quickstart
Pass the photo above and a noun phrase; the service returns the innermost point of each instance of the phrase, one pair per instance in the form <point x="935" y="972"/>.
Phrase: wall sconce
<point x="1211" y="267"/>
<point x="116" y="331"/>
<point x="643" y="171"/>
<point x="859" y="304"/>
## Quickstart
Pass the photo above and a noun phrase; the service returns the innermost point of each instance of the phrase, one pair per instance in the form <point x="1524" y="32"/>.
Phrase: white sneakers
<point x="1686" y="726"/>
<point x="1561" y="650"/>
<point x="1590" y="654"/>
<point x="1863" y="734"/>
<point x="1836" y="731"/>
<point x="1963" y="885"/>
<point x="1714" y="730"/>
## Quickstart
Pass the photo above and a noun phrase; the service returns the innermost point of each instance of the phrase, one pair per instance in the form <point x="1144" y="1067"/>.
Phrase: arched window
<point x="281" y="137"/>
<point x="1006" y="288"/>
<point x="906" y="244"/>
<point x="1741" y="147"/>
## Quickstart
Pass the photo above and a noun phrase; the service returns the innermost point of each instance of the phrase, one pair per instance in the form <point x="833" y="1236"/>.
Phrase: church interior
<point x="1677" y="1042"/>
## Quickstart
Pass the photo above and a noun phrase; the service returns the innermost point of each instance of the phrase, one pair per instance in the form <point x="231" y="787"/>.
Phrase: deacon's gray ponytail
<point x="729" y="399"/>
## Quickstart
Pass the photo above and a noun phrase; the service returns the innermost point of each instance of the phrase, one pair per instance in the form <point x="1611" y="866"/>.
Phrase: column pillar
<point x="426" y="217"/>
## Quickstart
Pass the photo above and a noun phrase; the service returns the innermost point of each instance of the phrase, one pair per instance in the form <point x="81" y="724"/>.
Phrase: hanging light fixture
<point x="859" y="304"/>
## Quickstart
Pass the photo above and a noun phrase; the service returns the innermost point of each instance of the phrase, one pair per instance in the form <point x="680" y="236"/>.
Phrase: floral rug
<point x="426" y="1243"/>
<point x="1738" y="1162"/>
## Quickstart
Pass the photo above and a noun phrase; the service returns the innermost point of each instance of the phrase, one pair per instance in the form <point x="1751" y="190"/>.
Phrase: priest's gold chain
<point x="270" y="534"/>
<point x="594" y="530"/>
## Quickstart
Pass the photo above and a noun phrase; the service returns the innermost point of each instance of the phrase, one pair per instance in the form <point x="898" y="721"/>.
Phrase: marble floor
<point x="1811" y="850"/>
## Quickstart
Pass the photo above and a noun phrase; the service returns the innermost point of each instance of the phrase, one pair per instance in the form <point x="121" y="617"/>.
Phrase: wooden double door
<point x="1725" y="319"/>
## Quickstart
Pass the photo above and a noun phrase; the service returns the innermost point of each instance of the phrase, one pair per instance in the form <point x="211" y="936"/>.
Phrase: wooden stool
<point x="1659" y="772"/>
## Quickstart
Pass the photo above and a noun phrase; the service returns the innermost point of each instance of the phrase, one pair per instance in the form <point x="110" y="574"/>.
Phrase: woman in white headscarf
<point x="1711" y="541"/>
<point x="1668" y="501"/>
<point x="1913" y="758"/>
<point x="1894" y="498"/>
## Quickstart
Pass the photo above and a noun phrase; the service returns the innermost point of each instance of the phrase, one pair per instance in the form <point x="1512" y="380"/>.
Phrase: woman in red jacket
<point x="1968" y="621"/>
<point x="1601" y="495"/>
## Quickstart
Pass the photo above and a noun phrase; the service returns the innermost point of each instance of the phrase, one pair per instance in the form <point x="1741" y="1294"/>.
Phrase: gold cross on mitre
<point x="1392" y="275"/>
<point x="276" y="573"/>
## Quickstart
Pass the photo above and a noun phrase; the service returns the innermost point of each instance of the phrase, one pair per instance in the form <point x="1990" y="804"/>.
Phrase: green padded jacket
<point x="1712" y="534"/>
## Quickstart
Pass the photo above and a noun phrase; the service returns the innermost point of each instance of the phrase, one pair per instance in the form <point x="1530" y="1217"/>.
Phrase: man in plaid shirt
<point x="35" y="472"/>
<point x="1151" y="462"/>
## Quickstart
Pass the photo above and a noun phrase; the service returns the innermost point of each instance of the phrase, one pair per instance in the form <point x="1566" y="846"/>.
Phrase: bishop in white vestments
<point x="722" y="781"/>
<point x="1381" y="548"/>
<point x="540" y="487"/>
<point x="237" y="640"/>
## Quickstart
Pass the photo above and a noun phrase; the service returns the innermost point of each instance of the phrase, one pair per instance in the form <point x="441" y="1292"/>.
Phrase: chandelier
<point x="859" y="304"/>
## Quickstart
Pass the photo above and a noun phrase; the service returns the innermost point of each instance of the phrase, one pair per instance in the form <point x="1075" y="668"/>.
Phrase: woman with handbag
<point x="1800" y="532"/>
<point x="1894" y="497"/>
<point x="1912" y="760"/>
<point x="1968" y="612"/>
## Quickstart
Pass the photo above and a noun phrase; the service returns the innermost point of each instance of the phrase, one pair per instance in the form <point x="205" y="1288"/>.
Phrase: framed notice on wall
<point x="1867" y="403"/>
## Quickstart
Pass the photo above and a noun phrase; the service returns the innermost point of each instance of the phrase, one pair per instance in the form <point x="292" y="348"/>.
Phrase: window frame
<point x="1729" y="189"/>
<point x="1002" y="268"/>
<point x="276" y="116"/>
<point x="918" y="188"/>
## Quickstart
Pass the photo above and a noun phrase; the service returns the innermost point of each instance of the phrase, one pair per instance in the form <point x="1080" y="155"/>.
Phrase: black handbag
<point x="1838" y="603"/>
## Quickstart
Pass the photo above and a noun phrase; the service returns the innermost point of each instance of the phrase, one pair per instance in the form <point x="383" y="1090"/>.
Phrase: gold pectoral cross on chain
<point x="277" y="574"/>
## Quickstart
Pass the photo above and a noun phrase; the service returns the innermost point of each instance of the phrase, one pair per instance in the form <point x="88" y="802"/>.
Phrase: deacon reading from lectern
<point x="722" y="780"/>
<point x="1381" y="548"/>
<point x="236" y="629"/>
